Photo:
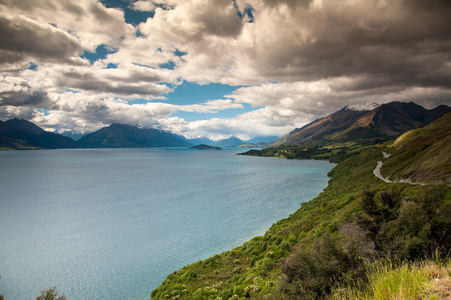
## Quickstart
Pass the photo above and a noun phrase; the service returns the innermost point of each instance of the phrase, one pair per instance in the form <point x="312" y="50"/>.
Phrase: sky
<point x="216" y="68"/>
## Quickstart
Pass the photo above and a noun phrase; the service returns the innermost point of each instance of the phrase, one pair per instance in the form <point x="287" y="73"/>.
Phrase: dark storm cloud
<point x="113" y="82"/>
<point x="22" y="38"/>
<point x="412" y="44"/>
<point x="23" y="99"/>
<point x="289" y="3"/>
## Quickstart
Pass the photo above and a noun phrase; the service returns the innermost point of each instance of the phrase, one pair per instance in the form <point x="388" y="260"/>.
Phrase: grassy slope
<point x="330" y="241"/>
<point x="390" y="280"/>
<point x="423" y="154"/>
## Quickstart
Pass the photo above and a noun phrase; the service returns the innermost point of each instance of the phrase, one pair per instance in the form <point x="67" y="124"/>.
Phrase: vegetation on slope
<point x="389" y="280"/>
<point x="422" y="155"/>
<point x="334" y="153"/>
<point x="328" y="242"/>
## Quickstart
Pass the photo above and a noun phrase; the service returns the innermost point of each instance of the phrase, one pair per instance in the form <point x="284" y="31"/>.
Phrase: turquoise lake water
<point x="113" y="223"/>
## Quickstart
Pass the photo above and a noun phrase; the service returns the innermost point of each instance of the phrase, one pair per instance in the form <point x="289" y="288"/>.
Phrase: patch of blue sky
<point x="179" y="53"/>
<point x="189" y="93"/>
<point x="111" y="66"/>
<point x="43" y="111"/>
<point x="139" y="101"/>
<point x="131" y="16"/>
<point x="247" y="12"/>
<point x="192" y="93"/>
<point x="101" y="53"/>
<point x="169" y="65"/>
<point x="32" y="66"/>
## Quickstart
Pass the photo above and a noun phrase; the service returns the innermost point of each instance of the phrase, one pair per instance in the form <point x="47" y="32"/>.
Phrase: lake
<point x="113" y="223"/>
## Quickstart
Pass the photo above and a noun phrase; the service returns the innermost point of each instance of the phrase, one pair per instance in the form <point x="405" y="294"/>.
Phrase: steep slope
<point x="262" y="139"/>
<point x="422" y="155"/>
<point x="22" y="134"/>
<point x="25" y="125"/>
<point x="316" y="131"/>
<point x="419" y="113"/>
<point x="13" y="138"/>
<point x="352" y="123"/>
<point x="385" y="120"/>
<point x="129" y="136"/>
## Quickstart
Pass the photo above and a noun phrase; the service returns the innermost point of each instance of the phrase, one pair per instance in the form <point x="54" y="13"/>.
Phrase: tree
<point x="50" y="294"/>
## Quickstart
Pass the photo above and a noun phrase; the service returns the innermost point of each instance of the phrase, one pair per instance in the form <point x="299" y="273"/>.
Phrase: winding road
<point x="377" y="173"/>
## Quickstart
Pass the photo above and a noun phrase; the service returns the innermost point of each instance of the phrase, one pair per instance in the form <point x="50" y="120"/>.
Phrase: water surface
<point x="113" y="223"/>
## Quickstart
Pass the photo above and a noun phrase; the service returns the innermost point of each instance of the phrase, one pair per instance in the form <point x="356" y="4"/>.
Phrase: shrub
<point x="311" y="273"/>
<point x="50" y="294"/>
<point x="285" y="245"/>
<point x="267" y="264"/>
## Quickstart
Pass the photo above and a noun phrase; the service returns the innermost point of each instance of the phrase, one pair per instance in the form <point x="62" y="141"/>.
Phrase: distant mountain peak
<point x="361" y="122"/>
<point x="131" y="136"/>
<point x="23" y="134"/>
<point x="232" y="141"/>
<point x="366" y="106"/>
<point x="25" y="125"/>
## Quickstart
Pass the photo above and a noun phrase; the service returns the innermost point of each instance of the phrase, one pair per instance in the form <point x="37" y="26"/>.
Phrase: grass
<point x="394" y="280"/>
<point x="422" y="155"/>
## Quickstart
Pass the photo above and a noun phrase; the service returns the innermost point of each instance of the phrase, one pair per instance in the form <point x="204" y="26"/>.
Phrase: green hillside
<point x="331" y="243"/>
<point x="422" y="155"/>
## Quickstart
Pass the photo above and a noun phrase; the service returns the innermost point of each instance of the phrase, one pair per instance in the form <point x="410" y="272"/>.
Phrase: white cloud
<point x="88" y="20"/>
<point x="298" y="60"/>
<point x="143" y="5"/>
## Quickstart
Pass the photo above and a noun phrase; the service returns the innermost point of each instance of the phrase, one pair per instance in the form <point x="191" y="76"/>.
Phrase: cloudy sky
<point x="217" y="67"/>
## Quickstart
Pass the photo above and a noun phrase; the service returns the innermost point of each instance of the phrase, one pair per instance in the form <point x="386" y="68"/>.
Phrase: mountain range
<point x="129" y="136"/>
<point x="22" y="134"/>
<point x="348" y="124"/>
<point x="351" y="123"/>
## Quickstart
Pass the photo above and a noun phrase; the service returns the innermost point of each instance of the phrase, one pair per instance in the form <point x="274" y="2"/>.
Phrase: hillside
<point x="22" y="134"/>
<point x="333" y="241"/>
<point x="350" y="124"/>
<point x="318" y="129"/>
<point x="129" y="136"/>
<point x="422" y="155"/>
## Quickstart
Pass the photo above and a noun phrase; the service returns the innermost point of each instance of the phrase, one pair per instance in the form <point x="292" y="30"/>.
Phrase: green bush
<point x="266" y="264"/>
<point x="285" y="245"/>
<point x="311" y="273"/>
<point x="50" y="294"/>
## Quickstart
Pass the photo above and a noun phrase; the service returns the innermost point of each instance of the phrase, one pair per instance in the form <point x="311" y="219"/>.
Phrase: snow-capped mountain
<point x="367" y="106"/>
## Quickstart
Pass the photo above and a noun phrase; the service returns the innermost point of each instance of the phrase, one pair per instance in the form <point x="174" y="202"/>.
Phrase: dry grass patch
<point x="389" y="281"/>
